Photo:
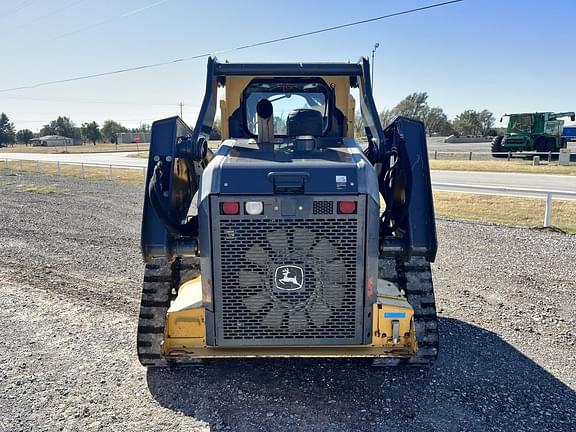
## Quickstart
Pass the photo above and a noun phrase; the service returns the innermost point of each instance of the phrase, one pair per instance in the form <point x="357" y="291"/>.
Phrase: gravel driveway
<point x="70" y="275"/>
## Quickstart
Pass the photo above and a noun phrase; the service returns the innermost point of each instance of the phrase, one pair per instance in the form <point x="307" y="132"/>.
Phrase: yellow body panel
<point x="235" y="85"/>
<point x="186" y="318"/>
<point x="185" y="333"/>
<point x="382" y="325"/>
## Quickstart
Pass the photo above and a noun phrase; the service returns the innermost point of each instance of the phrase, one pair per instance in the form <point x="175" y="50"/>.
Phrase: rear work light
<point x="254" y="207"/>
<point x="347" y="207"/>
<point x="230" y="208"/>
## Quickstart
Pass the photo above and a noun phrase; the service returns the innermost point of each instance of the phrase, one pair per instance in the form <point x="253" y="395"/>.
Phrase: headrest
<point x="304" y="122"/>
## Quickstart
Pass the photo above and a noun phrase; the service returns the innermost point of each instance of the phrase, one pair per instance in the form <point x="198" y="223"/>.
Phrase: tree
<point x="110" y="130"/>
<point x="359" y="131"/>
<point x="24" y="136"/>
<point x="62" y="126"/>
<point x="414" y="106"/>
<point x="216" y="132"/>
<point x="7" y="134"/>
<point x="279" y="125"/>
<point x="487" y="121"/>
<point x="386" y="117"/>
<point x="468" y="123"/>
<point x="437" y="122"/>
<point x="143" y="128"/>
<point x="91" y="132"/>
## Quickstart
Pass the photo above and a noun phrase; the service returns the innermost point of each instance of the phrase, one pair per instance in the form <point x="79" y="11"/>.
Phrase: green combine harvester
<point x="533" y="132"/>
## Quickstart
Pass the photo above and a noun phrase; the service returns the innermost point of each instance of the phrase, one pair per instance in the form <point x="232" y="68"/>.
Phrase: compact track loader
<point x="290" y="239"/>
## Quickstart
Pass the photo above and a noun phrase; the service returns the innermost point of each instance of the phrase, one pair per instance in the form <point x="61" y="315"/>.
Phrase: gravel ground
<point x="70" y="275"/>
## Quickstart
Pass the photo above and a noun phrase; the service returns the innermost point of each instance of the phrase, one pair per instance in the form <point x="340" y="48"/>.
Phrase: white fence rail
<point x="448" y="154"/>
<point x="82" y="165"/>
<point x="548" y="195"/>
<point x="509" y="191"/>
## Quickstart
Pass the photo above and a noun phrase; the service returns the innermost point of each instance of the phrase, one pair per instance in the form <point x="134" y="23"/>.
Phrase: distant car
<point x="569" y="133"/>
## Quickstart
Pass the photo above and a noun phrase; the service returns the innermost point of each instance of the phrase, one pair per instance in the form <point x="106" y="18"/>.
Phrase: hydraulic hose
<point x="397" y="186"/>
<point x="156" y="197"/>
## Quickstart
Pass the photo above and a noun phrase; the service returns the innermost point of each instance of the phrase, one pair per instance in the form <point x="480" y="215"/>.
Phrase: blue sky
<point x="506" y="56"/>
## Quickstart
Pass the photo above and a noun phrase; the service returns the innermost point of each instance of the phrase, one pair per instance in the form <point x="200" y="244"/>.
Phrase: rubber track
<point x="415" y="279"/>
<point x="161" y="280"/>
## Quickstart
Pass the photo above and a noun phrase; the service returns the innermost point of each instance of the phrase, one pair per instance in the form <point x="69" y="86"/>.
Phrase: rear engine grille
<point x="289" y="281"/>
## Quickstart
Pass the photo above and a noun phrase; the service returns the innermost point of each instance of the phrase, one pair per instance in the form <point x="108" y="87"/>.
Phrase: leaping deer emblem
<point x="289" y="280"/>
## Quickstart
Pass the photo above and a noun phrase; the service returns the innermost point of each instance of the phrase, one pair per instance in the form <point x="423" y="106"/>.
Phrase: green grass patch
<point x="503" y="166"/>
<point x="513" y="211"/>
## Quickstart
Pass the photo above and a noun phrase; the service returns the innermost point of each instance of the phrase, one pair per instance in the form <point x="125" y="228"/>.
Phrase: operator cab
<point x="287" y="114"/>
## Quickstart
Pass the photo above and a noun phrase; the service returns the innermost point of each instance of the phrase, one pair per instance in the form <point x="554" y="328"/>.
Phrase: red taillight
<point x="346" y="207"/>
<point x="230" y="208"/>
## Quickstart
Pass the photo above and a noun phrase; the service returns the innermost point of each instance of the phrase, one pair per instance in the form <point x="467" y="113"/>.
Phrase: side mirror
<point x="573" y="117"/>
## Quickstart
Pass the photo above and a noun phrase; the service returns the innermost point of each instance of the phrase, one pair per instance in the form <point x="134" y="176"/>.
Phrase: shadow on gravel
<point x="479" y="383"/>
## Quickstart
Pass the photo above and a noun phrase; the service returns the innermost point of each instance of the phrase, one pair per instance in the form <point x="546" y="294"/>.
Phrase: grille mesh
<point x="323" y="207"/>
<point x="252" y="306"/>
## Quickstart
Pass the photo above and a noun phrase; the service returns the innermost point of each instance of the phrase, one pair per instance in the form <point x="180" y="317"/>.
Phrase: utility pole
<point x="376" y="45"/>
<point x="180" y="109"/>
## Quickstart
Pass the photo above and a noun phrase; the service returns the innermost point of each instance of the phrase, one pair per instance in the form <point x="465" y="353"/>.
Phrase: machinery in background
<point x="534" y="132"/>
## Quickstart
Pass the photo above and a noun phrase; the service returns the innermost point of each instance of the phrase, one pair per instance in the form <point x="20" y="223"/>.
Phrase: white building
<point x="52" y="141"/>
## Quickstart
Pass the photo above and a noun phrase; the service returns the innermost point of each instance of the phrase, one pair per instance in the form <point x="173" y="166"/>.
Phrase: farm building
<point x="52" y="141"/>
<point x="134" y="137"/>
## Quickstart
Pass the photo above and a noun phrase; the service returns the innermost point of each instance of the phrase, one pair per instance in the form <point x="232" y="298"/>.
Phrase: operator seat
<point x="304" y="122"/>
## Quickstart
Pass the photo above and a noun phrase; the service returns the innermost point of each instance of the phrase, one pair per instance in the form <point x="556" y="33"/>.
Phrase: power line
<point x="243" y="47"/>
<point x="22" y="5"/>
<point x="49" y="14"/>
<point x="106" y="21"/>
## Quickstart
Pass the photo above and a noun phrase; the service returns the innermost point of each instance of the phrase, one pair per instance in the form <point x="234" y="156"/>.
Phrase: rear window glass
<point x="285" y="98"/>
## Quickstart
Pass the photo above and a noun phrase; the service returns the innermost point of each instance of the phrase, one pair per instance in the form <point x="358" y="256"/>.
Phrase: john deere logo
<point x="289" y="278"/>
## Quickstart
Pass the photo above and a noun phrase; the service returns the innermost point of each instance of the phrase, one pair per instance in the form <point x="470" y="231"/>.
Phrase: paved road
<point x="438" y="144"/>
<point x="513" y="180"/>
<point x="509" y="180"/>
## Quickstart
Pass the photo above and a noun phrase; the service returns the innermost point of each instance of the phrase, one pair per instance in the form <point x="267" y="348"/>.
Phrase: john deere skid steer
<point x="290" y="239"/>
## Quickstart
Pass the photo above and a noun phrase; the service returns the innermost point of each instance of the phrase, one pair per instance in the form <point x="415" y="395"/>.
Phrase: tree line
<point x="416" y="106"/>
<point x="90" y="132"/>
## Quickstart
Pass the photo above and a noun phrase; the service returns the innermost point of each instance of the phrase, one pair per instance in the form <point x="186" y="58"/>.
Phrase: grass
<point x="502" y="166"/>
<point x="39" y="189"/>
<point x="87" y="172"/>
<point x="89" y="148"/>
<point x="514" y="211"/>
